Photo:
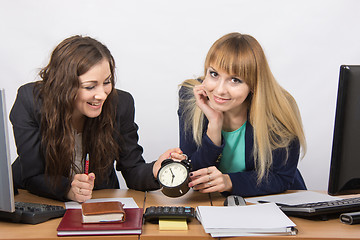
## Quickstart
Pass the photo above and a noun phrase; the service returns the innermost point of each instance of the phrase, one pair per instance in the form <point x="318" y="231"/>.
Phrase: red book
<point x="71" y="224"/>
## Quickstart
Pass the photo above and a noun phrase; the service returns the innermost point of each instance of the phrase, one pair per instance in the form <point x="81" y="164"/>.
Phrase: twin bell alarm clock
<point x="173" y="177"/>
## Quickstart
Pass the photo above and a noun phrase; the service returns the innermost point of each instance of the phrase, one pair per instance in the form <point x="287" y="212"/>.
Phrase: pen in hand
<point x="87" y="164"/>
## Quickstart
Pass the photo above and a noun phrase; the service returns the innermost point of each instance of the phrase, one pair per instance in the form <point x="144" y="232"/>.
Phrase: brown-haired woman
<point x="72" y="113"/>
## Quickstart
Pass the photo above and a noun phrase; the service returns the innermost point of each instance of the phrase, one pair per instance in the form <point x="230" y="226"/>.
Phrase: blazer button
<point x="219" y="158"/>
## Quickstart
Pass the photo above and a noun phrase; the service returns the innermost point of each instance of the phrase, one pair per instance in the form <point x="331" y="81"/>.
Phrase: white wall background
<point x="157" y="44"/>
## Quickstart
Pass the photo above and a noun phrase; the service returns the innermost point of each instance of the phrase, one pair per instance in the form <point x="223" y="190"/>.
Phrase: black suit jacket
<point x="283" y="174"/>
<point x="29" y="167"/>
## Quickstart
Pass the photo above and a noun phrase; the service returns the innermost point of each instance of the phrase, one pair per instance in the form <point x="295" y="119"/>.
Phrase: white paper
<point x="128" y="202"/>
<point x="248" y="234"/>
<point x="252" y="218"/>
<point x="294" y="198"/>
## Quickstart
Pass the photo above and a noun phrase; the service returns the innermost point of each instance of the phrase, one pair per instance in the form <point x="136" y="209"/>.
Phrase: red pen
<point x="87" y="164"/>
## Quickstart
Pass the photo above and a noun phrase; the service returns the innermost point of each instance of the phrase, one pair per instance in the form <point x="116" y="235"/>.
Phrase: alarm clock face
<point x="173" y="174"/>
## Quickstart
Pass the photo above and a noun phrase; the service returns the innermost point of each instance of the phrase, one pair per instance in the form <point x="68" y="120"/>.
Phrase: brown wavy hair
<point x="73" y="57"/>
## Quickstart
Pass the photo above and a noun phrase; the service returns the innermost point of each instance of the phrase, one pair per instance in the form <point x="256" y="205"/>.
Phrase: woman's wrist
<point x="156" y="167"/>
<point x="228" y="183"/>
<point x="214" y="133"/>
<point x="70" y="195"/>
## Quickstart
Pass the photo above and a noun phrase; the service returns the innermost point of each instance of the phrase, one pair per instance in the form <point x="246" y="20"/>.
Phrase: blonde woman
<point x="240" y="128"/>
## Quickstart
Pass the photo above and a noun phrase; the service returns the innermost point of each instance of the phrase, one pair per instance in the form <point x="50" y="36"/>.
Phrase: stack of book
<point x="101" y="218"/>
<point x="252" y="220"/>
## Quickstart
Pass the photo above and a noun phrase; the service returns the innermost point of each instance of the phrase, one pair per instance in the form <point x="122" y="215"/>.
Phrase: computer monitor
<point x="345" y="160"/>
<point x="6" y="180"/>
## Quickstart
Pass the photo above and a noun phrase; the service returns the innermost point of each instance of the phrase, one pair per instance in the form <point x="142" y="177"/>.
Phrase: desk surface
<point x="308" y="229"/>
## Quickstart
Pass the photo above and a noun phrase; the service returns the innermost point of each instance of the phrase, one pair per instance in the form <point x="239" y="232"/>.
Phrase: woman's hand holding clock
<point x="173" y="153"/>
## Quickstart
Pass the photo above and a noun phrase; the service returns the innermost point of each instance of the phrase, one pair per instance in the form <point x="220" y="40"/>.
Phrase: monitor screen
<point x="345" y="159"/>
<point x="6" y="181"/>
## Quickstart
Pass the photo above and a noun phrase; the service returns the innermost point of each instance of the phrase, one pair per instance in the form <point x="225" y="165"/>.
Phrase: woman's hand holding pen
<point x="215" y="117"/>
<point x="210" y="179"/>
<point x="81" y="187"/>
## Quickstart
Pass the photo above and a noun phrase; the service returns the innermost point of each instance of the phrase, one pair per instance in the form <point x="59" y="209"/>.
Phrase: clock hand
<point x="172" y="173"/>
<point x="173" y="176"/>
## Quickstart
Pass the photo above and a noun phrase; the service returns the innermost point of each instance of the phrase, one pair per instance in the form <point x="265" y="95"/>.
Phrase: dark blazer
<point x="283" y="174"/>
<point x="29" y="167"/>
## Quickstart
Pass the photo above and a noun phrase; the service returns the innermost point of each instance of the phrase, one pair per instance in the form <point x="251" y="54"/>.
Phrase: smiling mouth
<point x="94" y="104"/>
<point x="220" y="100"/>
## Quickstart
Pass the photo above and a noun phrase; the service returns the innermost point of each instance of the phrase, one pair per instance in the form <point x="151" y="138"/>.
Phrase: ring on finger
<point x="209" y="183"/>
<point x="209" y="178"/>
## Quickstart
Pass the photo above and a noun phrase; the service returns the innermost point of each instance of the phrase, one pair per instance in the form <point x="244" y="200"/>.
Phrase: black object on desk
<point x="234" y="200"/>
<point x="153" y="214"/>
<point x="32" y="213"/>
<point x="322" y="209"/>
<point x="350" y="218"/>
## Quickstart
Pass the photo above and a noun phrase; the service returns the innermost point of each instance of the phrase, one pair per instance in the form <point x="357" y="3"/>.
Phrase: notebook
<point x="72" y="225"/>
<point x="97" y="212"/>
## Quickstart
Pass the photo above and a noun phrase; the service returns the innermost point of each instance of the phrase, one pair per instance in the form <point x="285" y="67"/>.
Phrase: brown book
<point x="96" y="212"/>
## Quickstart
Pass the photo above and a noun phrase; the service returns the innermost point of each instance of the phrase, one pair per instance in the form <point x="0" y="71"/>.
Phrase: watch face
<point x="173" y="174"/>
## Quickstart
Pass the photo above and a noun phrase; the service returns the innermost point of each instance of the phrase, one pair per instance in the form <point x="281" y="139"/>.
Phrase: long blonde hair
<point x="273" y="112"/>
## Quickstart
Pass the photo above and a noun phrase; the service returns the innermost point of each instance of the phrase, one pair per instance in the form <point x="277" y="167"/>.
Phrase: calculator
<point x="153" y="214"/>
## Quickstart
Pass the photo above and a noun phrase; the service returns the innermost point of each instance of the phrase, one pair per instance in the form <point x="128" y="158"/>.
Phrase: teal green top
<point x="233" y="155"/>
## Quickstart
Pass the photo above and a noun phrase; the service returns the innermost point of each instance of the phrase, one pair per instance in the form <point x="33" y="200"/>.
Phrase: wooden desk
<point x="308" y="229"/>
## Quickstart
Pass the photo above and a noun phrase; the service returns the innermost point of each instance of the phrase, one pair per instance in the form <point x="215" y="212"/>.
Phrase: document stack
<point x="252" y="220"/>
<point x="73" y="223"/>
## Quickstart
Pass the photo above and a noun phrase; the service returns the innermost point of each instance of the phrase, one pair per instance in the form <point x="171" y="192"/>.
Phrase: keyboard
<point x="323" y="209"/>
<point x="153" y="214"/>
<point x="32" y="213"/>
